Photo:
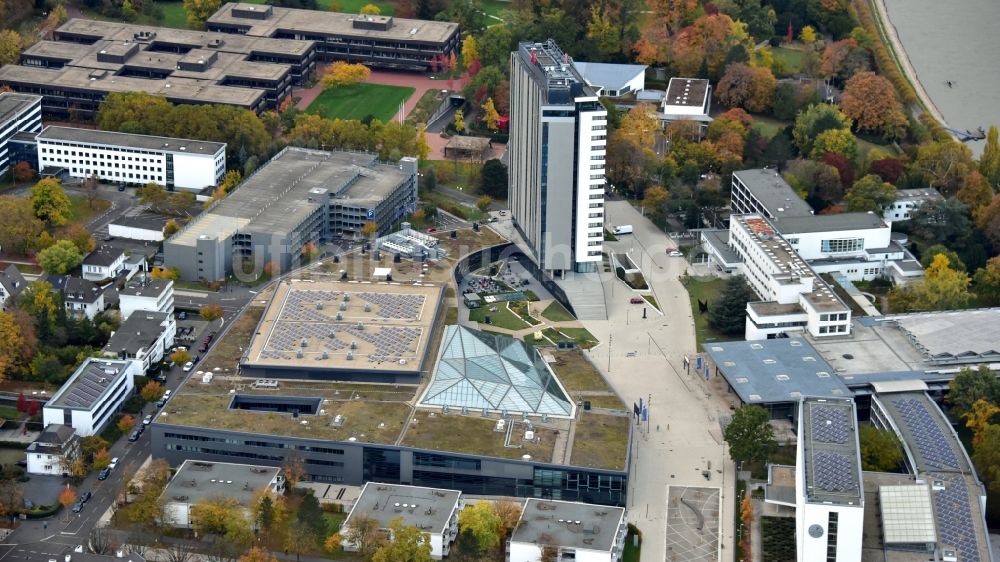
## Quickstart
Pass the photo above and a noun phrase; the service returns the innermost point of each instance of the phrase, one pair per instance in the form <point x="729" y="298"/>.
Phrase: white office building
<point x="561" y="530"/>
<point x="133" y="159"/>
<point x="558" y="134"/>
<point x="907" y="200"/>
<point x="18" y="113"/>
<point x="829" y="508"/>
<point x="149" y="295"/>
<point x="434" y="511"/>
<point x="89" y="399"/>
<point x="195" y="481"/>
<point x="144" y="337"/>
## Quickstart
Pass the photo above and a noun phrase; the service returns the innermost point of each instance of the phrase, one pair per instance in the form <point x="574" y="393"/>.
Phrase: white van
<point x="623" y="229"/>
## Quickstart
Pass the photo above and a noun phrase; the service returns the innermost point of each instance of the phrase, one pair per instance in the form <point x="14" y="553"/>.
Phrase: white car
<point x="147" y="420"/>
<point x="113" y="463"/>
<point x="188" y="366"/>
<point x="676" y="254"/>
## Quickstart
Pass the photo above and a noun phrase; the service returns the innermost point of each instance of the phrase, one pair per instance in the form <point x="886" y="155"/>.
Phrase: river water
<point x="954" y="41"/>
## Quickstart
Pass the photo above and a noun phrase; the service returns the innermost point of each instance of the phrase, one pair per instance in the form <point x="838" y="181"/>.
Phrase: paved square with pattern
<point x="692" y="524"/>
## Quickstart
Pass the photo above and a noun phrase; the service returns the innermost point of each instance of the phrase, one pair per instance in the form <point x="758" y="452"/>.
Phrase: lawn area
<point x="581" y="336"/>
<point x="501" y="318"/>
<point x="475" y="436"/>
<point x="631" y="553"/>
<point x="226" y="352"/>
<point x="557" y="313"/>
<point x="333" y="521"/>
<point x="704" y="289"/>
<point x="768" y="126"/>
<point x="80" y="210"/>
<point x="174" y="15"/>
<point x="354" y="6"/>
<point x="790" y="58"/>
<point x="601" y="441"/>
<point x="361" y="100"/>
<point x="651" y="300"/>
<point x="609" y="401"/>
<point x="576" y="372"/>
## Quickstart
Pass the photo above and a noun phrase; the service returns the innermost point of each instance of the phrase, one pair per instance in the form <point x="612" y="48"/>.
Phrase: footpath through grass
<point x="361" y="100"/>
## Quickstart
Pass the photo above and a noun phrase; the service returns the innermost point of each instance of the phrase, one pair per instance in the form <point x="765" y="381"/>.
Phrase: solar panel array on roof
<point x="95" y="378"/>
<point x="954" y="516"/>
<point x="829" y="425"/>
<point x="932" y="444"/>
<point x="832" y="472"/>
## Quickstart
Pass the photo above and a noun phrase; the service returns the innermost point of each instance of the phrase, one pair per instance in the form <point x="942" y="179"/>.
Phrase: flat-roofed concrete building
<point x="558" y="136"/>
<point x="576" y="531"/>
<point x="133" y="159"/>
<point x="144" y="337"/>
<point x="431" y="510"/>
<point x="18" y="113"/>
<point x="829" y="511"/>
<point x="764" y="191"/>
<point x="92" y="395"/>
<point x="344" y="331"/>
<point x="300" y="196"/>
<point x="195" y="481"/>
<point x="687" y="99"/>
<point x="375" y="40"/>
<point x="144" y="294"/>
<point x="907" y="201"/>
<point x="86" y="60"/>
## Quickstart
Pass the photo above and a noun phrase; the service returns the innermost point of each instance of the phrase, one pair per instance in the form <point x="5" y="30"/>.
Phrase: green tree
<point x="370" y="9"/>
<point x="20" y="229"/>
<point x="409" y="544"/>
<point x="870" y="193"/>
<point x="493" y="179"/>
<point x="495" y="45"/>
<point x="170" y="228"/>
<point x="60" y="258"/>
<point x="880" y="450"/>
<point x="11" y="345"/>
<point x="10" y="46"/>
<point x="989" y="161"/>
<point x="50" y="202"/>
<point x="484" y="524"/>
<point x="813" y="121"/>
<point x="460" y="121"/>
<point x="210" y="312"/>
<point x="749" y="435"/>
<point x="152" y="391"/>
<point x="490" y="116"/>
<point x="927" y="257"/>
<point x="727" y="314"/>
<point x="484" y="202"/>
<point x="943" y="164"/>
<point x="835" y="141"/>
<point x="470" y="51"/>
<point x="654" y="200"/>
<point x="153" y="194"/>
<point x="987" y="282"/>
<point x="198" y="11"/>
<point x="971" y="385"/>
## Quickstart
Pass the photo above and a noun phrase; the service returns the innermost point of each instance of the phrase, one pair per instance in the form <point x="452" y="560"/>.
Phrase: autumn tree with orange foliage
<point x="257" y="554"/>
<point x="67" y="497"/>
<point x="871" y="102"/>
<point x="748" y="87"/>
<point x="708" y="39"/>
<point x="843" y="59"/>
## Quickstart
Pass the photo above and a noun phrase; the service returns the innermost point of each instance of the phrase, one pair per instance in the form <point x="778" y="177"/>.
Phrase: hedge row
<point x="43" y="511"/>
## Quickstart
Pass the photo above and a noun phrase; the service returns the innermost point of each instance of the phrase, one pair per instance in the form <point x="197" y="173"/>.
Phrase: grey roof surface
<point x="56" y="434"/>
<point x="554" y="72"/>
<point x="333" y="24"/>
<point x="609" y="76"/>
<point x="829" y="443"/>
<point x="568" y="524"/>
<point x="428" y="509"/>
<point x="907" y="514"/>
<point x="480" y="371"/>
<point x="920" y="194"/>
<point x="104" y="255"/>
<point x="150" y="288"/>
<point x="828" y="223"/>
<point x="12" y="104"/>
<point x="144" y="221"/>
<point x="91" y="381"/>
<point x="773" y="192"/>
<point x="926" y="432"/>
<point x="775" y="371"/>
<point x="689" y="92"/>
<point x="197" y="480"/>
<point x="970" y="335"/>
<point x="12" y="280"/>
<point x="269" y="202"/>
<point x="139" y="331"/>
<point x="129" y="140"/>
<point x="76" y="289"/>
<point x="719" y="240"/>
<point x="655" y="96"/>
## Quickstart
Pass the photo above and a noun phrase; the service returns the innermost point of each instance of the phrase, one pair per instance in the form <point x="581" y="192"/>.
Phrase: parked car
<point x="85" y="497"/>
<point x="134" y="436"/>
<point x="103" y="475"/>
<point x="432" y="229"/>
<point x="77" y="507"/>
<point x="113" y="463"/>
<point x="161" y="402"/>
<point x="147" y="420"/>
<point x="676" y="254"/>
<point x="636" y="300"/>
<point x="182" y="315"/>
<point x="188" y="366"/>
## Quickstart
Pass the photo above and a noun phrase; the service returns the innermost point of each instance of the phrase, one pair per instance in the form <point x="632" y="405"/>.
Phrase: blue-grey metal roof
<point x="608" y="76"/>
<point x="775" y="371"/>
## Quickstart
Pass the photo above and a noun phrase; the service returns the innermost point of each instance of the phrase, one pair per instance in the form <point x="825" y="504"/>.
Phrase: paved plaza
<point x="692" y="524"/>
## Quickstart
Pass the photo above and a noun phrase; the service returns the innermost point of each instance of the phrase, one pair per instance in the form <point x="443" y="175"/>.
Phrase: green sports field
<point x="361" y="100"/>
